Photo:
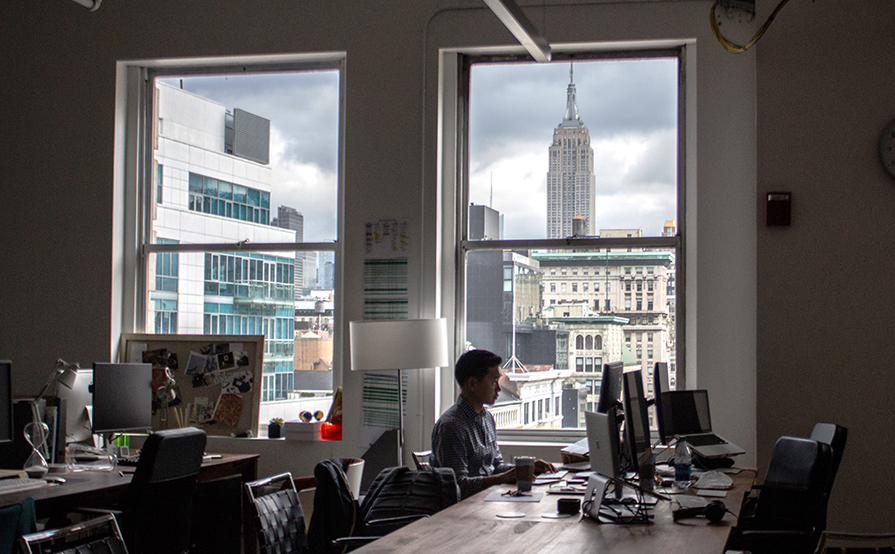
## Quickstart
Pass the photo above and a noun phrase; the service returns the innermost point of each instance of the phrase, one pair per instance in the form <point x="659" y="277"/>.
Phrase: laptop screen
<point x="686" y="412"/>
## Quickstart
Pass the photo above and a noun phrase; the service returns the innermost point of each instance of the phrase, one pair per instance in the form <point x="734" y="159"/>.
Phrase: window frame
<point x="135" y="144"/>
<point x="462" y="62"/>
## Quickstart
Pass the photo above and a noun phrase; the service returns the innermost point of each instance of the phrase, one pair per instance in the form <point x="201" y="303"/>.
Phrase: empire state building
<point x="571" y="187"/>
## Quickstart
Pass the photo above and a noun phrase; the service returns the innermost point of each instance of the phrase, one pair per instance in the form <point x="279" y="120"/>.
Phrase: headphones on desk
<point x="714" y="512"/>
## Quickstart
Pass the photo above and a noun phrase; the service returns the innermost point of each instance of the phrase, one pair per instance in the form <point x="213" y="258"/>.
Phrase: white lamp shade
<point x="398" y="344"/>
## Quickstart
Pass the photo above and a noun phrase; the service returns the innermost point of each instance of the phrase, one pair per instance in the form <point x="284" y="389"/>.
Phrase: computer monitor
<point x="6" y="417"/>
<point x="122" y="398"/>
<point x="610" y="387"/>
<point x="603" y="443"/>
<point x="78" y="403"/>
<point x="660" y="385"/>
<point x="637" y="436"/>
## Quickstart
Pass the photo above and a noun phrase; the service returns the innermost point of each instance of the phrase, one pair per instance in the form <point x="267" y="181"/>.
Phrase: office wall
<point x="59" y="292"/>
<point x="825" y="344"/>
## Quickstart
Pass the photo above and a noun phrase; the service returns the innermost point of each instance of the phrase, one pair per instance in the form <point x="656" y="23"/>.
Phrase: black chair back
<point x="95" y="535"/>
<point x="278" y="514"/>
<point x="159" y="501"/>
<point x="836" y="436"/>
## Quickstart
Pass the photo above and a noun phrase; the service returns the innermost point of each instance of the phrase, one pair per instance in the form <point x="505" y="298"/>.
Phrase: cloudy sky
<point x="629" y="108"/>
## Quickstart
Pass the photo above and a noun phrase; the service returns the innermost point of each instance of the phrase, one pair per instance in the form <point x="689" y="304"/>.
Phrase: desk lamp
<point x="398" y="344"/>
<point x="65" y="374"/>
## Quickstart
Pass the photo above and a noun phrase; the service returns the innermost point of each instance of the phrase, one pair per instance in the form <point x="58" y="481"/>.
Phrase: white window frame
<point x="132" y="237"/>
<point x="453" y="127"/>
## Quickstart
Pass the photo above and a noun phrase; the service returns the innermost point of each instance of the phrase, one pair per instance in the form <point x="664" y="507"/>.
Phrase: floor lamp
<point x="398" y="344"/>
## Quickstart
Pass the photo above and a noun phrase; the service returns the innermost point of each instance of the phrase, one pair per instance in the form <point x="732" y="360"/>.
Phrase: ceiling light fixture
<point x="522" y="28"/>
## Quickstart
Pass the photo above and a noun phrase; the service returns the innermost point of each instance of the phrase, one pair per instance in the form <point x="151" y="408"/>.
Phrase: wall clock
<point x="887" y="148"/>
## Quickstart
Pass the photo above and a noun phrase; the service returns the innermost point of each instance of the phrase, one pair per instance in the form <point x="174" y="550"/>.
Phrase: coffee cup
<point x="525" y="472"/>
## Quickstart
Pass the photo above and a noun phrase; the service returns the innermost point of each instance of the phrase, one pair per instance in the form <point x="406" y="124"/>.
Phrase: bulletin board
<point x="216" y="380"/>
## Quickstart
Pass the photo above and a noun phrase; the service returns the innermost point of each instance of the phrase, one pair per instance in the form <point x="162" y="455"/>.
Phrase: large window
<point x="571" y="175"/>
<point x="241" y="235"/>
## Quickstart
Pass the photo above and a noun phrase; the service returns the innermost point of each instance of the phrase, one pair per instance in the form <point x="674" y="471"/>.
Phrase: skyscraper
<point x="571" y="187"/>
<point x="290" y="218"/>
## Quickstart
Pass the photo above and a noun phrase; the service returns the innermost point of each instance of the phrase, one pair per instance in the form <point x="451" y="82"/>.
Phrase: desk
<point x="106" y="489"/>
<point x="472" y="525"/>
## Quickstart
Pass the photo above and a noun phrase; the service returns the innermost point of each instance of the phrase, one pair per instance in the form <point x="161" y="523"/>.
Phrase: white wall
<point x="58" y="115"/>
<point x="825" y="343"/>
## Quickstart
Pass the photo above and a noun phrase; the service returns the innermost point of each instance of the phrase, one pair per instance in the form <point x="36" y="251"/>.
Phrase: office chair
<point x="100" y="536"/>
<point x="421" y="459"/>
<point x="856" y="543"/>
<point x="834" y="435"/>
<point x="16" y="520"/>
<point x="789" y="514"/>
<point x="157" y="506"/>
<point x="278" y="514"/>
<point x="397" y="497"/>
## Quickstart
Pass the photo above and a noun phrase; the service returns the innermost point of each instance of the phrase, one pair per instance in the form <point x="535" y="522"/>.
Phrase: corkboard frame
<point x="197" y="401"/>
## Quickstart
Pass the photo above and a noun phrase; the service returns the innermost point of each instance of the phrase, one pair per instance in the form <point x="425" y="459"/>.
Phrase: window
<point x="244" y="239"/>
<point x="576" y="150"/>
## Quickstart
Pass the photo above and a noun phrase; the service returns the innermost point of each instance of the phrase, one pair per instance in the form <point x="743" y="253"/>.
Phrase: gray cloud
<point x="629" y="108"/>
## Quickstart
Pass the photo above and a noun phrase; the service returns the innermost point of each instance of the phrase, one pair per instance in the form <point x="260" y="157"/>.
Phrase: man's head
<point x="477" y="373"/>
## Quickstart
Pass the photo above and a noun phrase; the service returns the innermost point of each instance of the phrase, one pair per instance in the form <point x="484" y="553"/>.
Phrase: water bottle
<point x="682" y="459"/>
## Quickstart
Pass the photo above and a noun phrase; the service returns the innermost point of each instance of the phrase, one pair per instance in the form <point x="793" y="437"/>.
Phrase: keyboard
<point x="16" y="484"/>
<point x="704" y="440"/>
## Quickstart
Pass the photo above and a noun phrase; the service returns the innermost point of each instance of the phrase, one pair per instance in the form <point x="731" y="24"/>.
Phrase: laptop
<point x="685" y="415"/>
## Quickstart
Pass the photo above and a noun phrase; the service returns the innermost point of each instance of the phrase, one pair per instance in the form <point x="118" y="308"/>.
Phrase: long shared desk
<point x="474" y="525"/>
<point x="219" y="485"/>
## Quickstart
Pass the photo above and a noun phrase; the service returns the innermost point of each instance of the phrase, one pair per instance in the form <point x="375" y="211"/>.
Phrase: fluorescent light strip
<point x="515" y="21"/>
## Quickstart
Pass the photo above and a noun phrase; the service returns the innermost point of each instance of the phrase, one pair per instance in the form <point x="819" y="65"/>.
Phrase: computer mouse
<point x="57" y="480"/>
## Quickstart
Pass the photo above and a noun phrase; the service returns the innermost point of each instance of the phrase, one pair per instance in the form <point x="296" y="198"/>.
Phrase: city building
<point x="571" y="184"/>
<point x="210" y="191"/>
<point x="290" y="218"/>
<point x="630" y="286"/>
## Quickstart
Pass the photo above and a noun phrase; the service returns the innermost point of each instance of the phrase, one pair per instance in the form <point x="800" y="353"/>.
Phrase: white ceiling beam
<point x="522" y="28"/>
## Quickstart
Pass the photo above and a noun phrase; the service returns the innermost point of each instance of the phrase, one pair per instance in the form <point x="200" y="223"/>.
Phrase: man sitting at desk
<point x="465" y="437"/>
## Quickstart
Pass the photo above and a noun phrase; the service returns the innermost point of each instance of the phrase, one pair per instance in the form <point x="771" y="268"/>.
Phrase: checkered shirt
<point x="466" y="441"/>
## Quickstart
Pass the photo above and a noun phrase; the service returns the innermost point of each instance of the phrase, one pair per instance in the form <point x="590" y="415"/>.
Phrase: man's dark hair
<point x="475" y="363"/>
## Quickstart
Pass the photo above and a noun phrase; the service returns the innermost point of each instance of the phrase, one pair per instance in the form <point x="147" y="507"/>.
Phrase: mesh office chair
<point x="158" y="504"/>
<point x="398" y="496"/>
<point x="278" y="514"/>
<point x="96" y="536"/>
<point x="789" y="514"/>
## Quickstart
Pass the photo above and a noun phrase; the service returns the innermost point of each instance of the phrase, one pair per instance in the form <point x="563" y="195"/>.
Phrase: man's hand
<point x="544" y="467"/>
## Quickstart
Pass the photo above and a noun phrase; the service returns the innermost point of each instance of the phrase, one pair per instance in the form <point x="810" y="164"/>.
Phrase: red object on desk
<point x="331" y="432"/>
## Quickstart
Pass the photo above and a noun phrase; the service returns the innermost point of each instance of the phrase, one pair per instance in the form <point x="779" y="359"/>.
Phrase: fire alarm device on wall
<point x="779" y="208"/>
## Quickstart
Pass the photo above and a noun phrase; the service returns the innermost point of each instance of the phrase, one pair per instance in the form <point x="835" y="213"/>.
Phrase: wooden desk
<point x="104" y="489"/>
<point x="473" y="525"/>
